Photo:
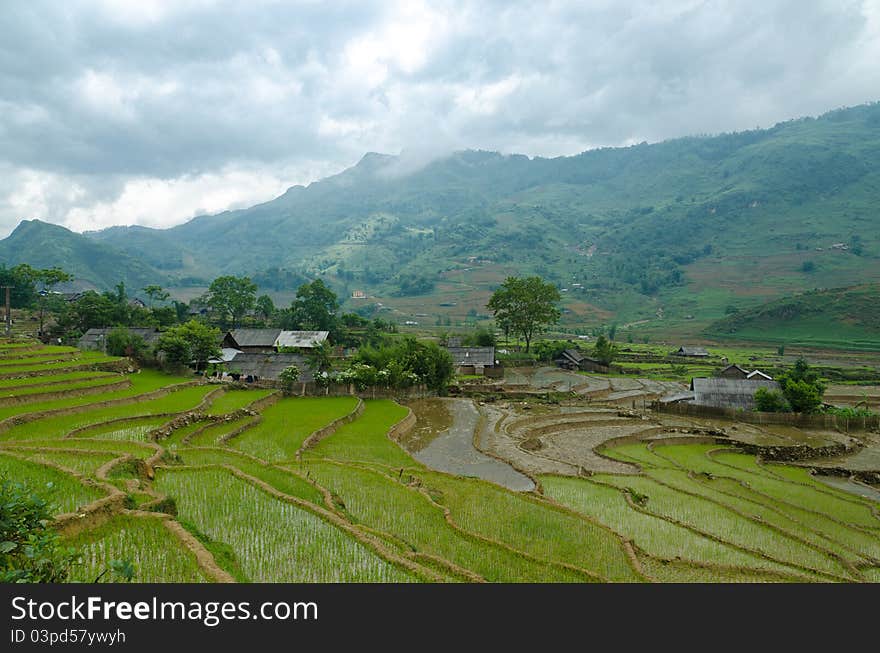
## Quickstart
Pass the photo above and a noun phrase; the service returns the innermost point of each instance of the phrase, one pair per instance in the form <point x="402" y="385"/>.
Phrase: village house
<point x="475" y="360"/>
<point x="272" y="340"/>
<point x="572" y="359"/>
<point x="96" y="339"/>
<point x="734" y="372"/>
<point x="256" y="366"/>
<point x="693" y="352"/>
<point x="738" y="394"/>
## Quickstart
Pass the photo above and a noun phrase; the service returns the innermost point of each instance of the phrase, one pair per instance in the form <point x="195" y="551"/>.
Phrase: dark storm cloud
<point x="101" y="100"/>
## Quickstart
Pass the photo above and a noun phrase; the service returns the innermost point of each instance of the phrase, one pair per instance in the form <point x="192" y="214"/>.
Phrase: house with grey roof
<point x="268" y="366"/>
<point x="694" y="352"/>
<point x="268" y="340"/>
<point x="572" y="359"/>
<point x="96" y="339"/>
<point x="738" y="394"/>
<point x="473" y="360"/>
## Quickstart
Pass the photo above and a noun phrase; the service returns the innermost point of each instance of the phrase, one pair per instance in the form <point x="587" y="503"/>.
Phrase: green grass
<point x="288" y="422"/>
<point x="58" y="426"/>
<point x="84" y="462"/>
<point x="88" y="358"/>
<point x="156" y="553"/>
<point x="212" y="434"/>
<point x="274" y="541"/>
<point x="137" y="449"/>
<point x="373" y="499"/>
<point x="233" y="400"/>
<point x="48" y="382"/>
<point x="536" y="528"/>
<point x="650" y="533"/>
<point x="281" y="480"/>
<point x="143" y="382"/>
<point x="366" y="439"/>
<point x="63" y="387"/>
<point x="64" y="492"/>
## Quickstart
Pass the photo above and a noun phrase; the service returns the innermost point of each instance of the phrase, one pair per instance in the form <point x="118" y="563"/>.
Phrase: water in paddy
<point x="847" y="485"/>
<point x="443" y="439"/>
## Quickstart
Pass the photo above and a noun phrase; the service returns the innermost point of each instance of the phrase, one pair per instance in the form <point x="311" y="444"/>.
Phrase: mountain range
<point x="653" y="236"/>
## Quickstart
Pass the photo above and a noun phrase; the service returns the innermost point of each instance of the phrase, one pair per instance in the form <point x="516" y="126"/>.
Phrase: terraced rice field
<point x="254" y="498"/>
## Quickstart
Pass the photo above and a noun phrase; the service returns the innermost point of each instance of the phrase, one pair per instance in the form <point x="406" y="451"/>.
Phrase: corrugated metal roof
<point x="758" y="374"/>
<point x="255" y="337"/>
<point x="728" y="393"/>
<point x="226" y="355"/>
<point x="484" y="356"/>
<point x="692" y="351"/>
<point x="269" y="365"/>
<point x="302" y="339"/>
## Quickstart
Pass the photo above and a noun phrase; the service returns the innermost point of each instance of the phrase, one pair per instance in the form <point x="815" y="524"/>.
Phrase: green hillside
<point x="664" y="237"/>
<point x="832" y="317"/>
<point x="94" y="265"/>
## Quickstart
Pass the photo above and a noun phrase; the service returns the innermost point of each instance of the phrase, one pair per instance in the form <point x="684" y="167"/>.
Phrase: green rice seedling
<point x="233" y="400"/>
<point x="282" y="480"/>
<point x="57" y="426"/>
<point x="366" y="438"/>
<point x="288" y="422"/>
<point x="757" y="511"/>
<point x="156" y="553"/>
<point x="532" y="526"/>
<point x="711" y="518"/>
<point x="635" y="453"/>
<point x="141" y="383"/>
<point x="65" y="492"/>
<point x="27" y="391"/>
<point x="133" y="430"/>
<point x="849" y="508"/>
<point x="652" y="534"/>
<point x="50" y="381"/>
<point x="84" y="462"/>
<point x="178" y="435"/>
<point x="861" y="542"/>
<point x="213" y="433"/>
<point x="137" y="449"/>
<point x="690" y="456"/>
<point x="274" y="541"/>
<point x="34" y="358"/>
<point x="673" y="571"/>
<point x="27" y="367"/>
<point x="375" y="500"/>
<point x="871" y="574"/>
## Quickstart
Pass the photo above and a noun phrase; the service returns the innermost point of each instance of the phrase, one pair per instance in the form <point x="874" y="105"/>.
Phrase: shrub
<point x="770" y="401"/>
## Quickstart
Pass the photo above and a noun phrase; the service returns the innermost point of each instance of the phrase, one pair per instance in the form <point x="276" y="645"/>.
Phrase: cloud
<point x="147" y="112"/>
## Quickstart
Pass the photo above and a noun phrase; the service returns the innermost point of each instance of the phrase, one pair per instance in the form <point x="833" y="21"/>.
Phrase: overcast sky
<point x="151" y="111"/>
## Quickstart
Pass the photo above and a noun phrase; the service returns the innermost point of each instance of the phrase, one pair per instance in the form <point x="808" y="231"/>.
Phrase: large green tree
<point x="193" y="342"/>
<point x="231" y="298"/>
<point x="156" y="293"/>
<point x="315" y="307"/>
<point x="526" y="306"/>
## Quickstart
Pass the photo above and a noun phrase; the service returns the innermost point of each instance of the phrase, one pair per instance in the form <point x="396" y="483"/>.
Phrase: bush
<point x="770" y="401"/>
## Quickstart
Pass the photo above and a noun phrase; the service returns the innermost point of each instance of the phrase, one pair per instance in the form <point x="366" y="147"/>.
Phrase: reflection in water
<point x="852" y="487"/>
<point x="443" y="439"/>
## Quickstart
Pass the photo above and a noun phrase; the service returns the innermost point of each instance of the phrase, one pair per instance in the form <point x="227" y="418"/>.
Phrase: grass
<point x="233" y="400"/>
<point x="73" y="386"/>
<point x="156" y="553"/>
<point x="274" y="541"/>
<point x="654" y="535"/>
<point x="375" y="500"/>
<point x="366" y="439"/>
<point x="137" y="449"/>
<point x="533" y="527"/>
<point x="284" y="481"/>
<point x="48" y="382"/>
<point x="213" y="433"/>
<point x="288" y="422"/>
<point x="57" y="426"/>
<point x="64" y="492"/>
<point x="84" y="462"/>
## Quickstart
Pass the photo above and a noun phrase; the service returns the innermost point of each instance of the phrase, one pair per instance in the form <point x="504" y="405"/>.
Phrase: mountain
<point x="659" y="237"/>
<point x="94" y="265"/>
<point x="832" y="317"/>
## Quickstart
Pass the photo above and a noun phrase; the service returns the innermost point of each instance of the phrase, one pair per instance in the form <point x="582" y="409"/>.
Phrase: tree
<point x="605" y="350"/>
<point x="319" y="358"/>
<point x="265" y="307"/>
<point x="122" y="342"/>
<point x="22" y="278"/>
<point x="526" y="306"/>
<point x="288" y="377"/>
<point x="770" y="401"/>
<point x="155" y="293"/>
<point x="30" y="550"/>
<point x="315" y="307"/>
<point x="802" y="388"/>
<point x="231" y="297"/>
<point x="190" y="342"/>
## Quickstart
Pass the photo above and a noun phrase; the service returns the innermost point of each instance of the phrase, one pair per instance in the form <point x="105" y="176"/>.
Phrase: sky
<point x="151" y="112"/>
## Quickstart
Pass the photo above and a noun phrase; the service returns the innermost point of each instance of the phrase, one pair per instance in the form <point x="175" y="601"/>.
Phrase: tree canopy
<point x="231" y="298"/>
<point x="525" y="306"/>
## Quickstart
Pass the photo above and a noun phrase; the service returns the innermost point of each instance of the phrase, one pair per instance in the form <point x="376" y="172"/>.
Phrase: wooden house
<point x="693" y="352"/>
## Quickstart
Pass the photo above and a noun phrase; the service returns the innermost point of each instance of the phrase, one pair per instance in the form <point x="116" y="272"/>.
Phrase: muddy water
<point x="443" y="439"/>
<point x="852" y="487"/>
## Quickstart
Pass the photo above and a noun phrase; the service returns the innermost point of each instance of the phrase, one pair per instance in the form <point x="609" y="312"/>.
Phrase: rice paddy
<point x="353" y="506"/>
